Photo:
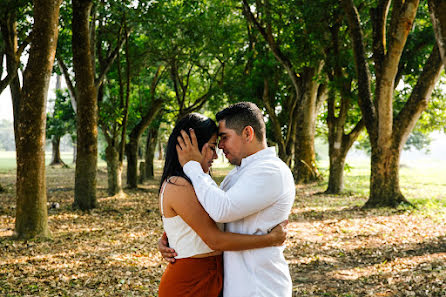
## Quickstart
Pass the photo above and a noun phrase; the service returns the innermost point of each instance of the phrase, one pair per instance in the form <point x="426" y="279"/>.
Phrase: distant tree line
<point x="7" y="142"/>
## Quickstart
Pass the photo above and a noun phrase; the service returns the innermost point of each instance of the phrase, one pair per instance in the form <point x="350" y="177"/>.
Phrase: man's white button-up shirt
<point x="253" y="198"/>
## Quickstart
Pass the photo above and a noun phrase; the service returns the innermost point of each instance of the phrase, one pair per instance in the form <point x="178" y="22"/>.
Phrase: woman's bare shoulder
<point x="178" y="184"/>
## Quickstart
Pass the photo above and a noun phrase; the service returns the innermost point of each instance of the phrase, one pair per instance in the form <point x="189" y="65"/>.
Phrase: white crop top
<point x="182" y="238"/>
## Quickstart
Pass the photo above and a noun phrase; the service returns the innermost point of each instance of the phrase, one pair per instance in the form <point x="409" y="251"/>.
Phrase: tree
<point x="282" y="30"/>
<point x="60" y="123"/>
<point x="85" y="92"/>
<point x="31" y="214"/>
<point x="86" y="110"/>
<point x="342" y="112"/>
<point x="122" y="109"/>
<point x="388" y="131"/>
<point x="135" y="134"/>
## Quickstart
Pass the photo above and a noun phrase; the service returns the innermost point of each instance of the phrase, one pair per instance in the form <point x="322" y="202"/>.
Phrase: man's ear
<point x="248" y="134"/>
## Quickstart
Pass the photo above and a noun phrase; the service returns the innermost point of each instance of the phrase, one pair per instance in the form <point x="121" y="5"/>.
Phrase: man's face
<point x="232" y="144"/>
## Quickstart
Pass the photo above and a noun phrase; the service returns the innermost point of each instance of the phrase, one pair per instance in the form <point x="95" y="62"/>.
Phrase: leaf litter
<point x="334" y="248"/>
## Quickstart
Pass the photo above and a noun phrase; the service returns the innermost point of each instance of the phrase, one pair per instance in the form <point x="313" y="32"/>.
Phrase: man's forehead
<point x="222" y="129"/>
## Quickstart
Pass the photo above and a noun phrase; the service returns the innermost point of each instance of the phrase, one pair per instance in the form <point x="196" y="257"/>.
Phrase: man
<point x="255" y="196"/>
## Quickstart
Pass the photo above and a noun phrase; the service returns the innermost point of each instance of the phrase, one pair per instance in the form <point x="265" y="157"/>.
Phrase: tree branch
<point x="110" y="59"/>
<point x="5" y="82"/>
<point x="419" y="98"/>
<point x="362" y="70"/>
<point x="273" y="46"/>
<point x="437" y="10"/>
<point x="71" y="89"/>
<point x="379" y="18"/>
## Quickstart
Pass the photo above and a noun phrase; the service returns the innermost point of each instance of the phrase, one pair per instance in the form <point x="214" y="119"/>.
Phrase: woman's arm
<point x="180" y="196"/>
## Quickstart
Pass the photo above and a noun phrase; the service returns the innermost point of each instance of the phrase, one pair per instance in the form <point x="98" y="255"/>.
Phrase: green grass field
<point x="423" y="181"/>
<point x="8" y="159"/>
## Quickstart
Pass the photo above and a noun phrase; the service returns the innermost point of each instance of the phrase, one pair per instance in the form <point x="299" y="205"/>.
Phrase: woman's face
<point x="209" y="153"/>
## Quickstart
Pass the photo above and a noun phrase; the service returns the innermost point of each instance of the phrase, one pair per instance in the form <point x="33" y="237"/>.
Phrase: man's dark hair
<point x="242" y="114"/>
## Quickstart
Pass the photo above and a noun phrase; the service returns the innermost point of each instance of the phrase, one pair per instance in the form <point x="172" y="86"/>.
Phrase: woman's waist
<point x="187" y="244"/>
<point x="206" y="255"/>
<point x="209" y="258"/>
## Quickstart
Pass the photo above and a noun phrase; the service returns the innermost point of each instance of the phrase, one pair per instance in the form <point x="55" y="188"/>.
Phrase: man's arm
<point x="250" y="194"/>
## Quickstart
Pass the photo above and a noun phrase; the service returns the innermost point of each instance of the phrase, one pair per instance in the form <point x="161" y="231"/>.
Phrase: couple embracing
<point x="245" y="216"/>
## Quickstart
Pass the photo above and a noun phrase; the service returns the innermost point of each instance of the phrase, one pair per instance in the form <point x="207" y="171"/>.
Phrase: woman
<point x="196" y="238"/>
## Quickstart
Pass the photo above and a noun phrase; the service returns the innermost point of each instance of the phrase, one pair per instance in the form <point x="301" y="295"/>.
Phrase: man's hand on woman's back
<point x="167" y="252"/>
<point x="279" y="233"/>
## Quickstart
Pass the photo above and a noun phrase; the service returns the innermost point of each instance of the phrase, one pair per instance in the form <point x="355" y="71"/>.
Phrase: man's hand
<point x="187" y="148"/>
<point x="163" y="246"/>
<point x="279" y="233"/>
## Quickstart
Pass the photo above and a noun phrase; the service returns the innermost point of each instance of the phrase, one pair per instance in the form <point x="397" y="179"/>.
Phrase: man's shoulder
<point x="274" y="163"/>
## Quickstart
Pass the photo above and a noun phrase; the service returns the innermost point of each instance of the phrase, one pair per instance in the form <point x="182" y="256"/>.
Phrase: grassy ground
<point x="7" y="159"/>
<point x="334" y="248"/>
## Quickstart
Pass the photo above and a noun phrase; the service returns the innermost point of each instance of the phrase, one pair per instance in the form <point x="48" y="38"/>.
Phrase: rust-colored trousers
<point x="193" y="277"/>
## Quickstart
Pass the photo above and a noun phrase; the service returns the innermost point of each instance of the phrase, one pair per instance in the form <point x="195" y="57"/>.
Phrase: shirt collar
<point x="264" y="153"/>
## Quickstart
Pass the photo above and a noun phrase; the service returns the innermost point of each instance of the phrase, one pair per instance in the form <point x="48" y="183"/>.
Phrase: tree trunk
<point x="31" y="212"/>
<point x="56" y="159"/>
<point x="161" y="152"/>
<point x="87" y="149"/>
<point x="114" y="170"/>
<point x="336" y="172"/>
<point x="150" y="152"/>
<point x="74" y="151"/>
<point x="285" y="143"/>
<point x="132" y="162"/>
<point x="384" y="179"/>
<point x="142" y="172"/>
<point x="305" y="169"/>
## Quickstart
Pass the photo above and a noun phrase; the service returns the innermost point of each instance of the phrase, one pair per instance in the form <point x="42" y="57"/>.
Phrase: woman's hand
<point x="278" y="233"/>
<point x="187" y="147"/>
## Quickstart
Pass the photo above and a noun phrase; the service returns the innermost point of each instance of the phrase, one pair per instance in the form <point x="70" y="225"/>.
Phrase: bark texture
<point x="114" y="171"/>
<point x="87" y="150"/>
<point x="31" y="211"/>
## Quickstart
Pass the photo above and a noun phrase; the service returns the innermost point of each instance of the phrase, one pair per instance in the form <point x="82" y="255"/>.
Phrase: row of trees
<point x="131" y="65"/>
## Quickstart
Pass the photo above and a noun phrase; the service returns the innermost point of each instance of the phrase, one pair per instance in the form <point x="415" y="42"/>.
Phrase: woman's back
<point x="182" y="237"/>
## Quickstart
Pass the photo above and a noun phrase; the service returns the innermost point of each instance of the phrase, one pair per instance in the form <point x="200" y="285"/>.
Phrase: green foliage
<point x="63" y="119"/>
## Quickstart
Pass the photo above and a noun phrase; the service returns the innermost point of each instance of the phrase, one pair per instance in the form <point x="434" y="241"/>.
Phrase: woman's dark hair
<point x="203" y="127"/>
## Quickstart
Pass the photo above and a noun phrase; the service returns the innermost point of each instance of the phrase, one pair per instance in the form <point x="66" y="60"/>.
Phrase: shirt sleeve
<point x="255" y="190"/>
